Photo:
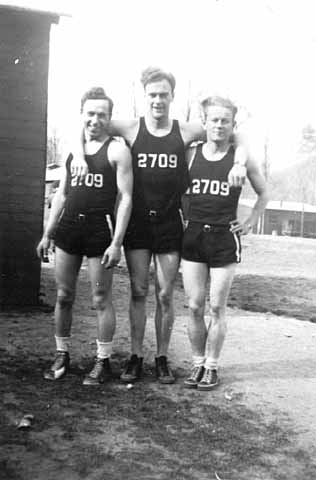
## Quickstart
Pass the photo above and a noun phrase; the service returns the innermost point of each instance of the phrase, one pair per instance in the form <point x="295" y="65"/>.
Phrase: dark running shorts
<point x="161" y="236"/>
<point x="217" y="248"/>
<point x="84" y="235"/>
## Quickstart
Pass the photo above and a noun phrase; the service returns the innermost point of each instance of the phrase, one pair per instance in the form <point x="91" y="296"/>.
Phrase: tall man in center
<point x="155" y="230"/>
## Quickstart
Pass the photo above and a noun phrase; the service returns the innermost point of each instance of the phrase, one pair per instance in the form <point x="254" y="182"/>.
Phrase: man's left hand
<point x="239" y="227"/>
<point x="237" y="175"/>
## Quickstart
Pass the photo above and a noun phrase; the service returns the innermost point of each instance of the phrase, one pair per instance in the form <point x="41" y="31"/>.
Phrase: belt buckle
<point x="207" y="228"/>
<point x="81" y="217"/>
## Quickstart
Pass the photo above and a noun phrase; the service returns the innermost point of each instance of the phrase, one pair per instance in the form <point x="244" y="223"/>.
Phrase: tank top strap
<point x="142" y="126"/>
<point x="176" y="127"/>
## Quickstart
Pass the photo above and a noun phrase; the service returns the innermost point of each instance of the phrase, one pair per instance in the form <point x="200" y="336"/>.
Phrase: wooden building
<point x="283" y="218"/>
<point x="24" y="58"/>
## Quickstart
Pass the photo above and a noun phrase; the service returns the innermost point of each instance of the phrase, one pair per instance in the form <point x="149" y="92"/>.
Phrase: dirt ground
<point x="259" y="424"/>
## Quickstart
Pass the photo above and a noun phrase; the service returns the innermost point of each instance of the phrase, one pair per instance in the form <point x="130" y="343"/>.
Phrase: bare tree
<point x="53" y="147"/>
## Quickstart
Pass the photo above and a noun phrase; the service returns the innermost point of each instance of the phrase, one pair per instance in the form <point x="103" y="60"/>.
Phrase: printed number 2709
<point x="161" y="160"/>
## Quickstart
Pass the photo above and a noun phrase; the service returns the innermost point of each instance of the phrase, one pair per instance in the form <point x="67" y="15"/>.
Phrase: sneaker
<point x="195" y="377"/>
<point x="100" y="373"/>
<point x="209" y="380"/>
<point x="133" y="369"/>
<point x="163" y="372"/>
<point x="59" y="368"/>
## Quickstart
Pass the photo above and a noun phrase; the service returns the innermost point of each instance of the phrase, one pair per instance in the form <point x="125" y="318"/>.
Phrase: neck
<point x="99" y="139"/>
<point x="157" y="123"/>
<point x="217" y="147"/>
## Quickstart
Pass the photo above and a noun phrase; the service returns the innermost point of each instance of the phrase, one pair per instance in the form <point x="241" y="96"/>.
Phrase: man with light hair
<point x="211" y="242"/>
<point x="155" y="230"/>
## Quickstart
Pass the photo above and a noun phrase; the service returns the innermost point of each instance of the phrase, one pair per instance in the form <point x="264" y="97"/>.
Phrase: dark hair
<point x="96" y="93"/>
<point x="155" y="74"/>
<point x="221" y="101"/>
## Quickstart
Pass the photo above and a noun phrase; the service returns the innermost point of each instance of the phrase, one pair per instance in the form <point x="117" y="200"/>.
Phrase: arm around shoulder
<point x="192" y="132"/>
<point x="125" y="128"/>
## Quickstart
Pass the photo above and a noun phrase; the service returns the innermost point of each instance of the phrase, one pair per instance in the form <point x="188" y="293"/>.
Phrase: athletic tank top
<point x="97" y="192"/>
<point x="211" y="199"/>
<point x="160" y="171"/>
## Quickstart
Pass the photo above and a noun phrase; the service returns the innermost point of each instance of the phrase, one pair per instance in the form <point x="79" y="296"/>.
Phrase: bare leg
<point x="66" y="270"/>
<point x="221" y="280"/>
<point x="166" y="266"/>
<point x="195" y="277"/>
<point x="138" y="262"/>
<point x="101" y="286"/>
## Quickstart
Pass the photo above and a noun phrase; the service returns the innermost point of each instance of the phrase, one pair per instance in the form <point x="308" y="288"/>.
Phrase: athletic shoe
<point x="163" y="372"/>
<point x="209" y="380"/>
<point x="195" y="377"/>
<point x="59" y="368"/>
<point x="100" y="373"/>
<point x="133" y="369"/>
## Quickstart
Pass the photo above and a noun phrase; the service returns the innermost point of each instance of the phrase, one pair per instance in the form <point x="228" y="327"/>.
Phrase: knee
<point x="165" y="298"/>
<point x="196" y="306"/>
<point x="100" y="300"/>
<point x="217" y="311"/>
<point x="65" y="298"/>
<point x="139" y="291"/>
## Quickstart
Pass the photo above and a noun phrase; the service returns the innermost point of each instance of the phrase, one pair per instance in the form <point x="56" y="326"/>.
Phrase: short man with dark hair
<point x="88" y="218"/>
<point x="155" y="230"/>
<point x="211" y="241"/>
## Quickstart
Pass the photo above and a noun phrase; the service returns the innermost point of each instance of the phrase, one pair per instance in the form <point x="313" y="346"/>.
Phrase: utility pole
<point x="302" y="221"/>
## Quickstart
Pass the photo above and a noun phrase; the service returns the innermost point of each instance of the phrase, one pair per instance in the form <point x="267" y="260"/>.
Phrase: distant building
<point x="24" y="56"/>
<point x="283" y="218"/>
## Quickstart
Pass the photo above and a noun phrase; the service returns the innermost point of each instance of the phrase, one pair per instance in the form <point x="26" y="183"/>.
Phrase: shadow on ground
<point x="112" y="432"/>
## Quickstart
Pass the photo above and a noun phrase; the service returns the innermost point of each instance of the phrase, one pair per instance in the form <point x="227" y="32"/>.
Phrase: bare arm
<point x="192" y="132"/>
<point x="259" y="185"/>
<point x="120" y="157"/>
<point x="122" y="128"/>
<point x="58" y="203"/>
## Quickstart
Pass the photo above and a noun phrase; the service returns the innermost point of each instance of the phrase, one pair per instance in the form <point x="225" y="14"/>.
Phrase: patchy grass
<point x="148" y="432"/>
<point x="114" y="433"/>
<point x="277" y="275"/>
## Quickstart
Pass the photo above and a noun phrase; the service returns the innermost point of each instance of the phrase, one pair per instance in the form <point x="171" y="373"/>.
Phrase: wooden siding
<point x="24" y="53"/>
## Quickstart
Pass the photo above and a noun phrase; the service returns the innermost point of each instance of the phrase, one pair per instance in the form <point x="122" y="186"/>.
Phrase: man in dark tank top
<point x="211" y="241"/>
<point x="155" y="230"/>
<point x="89" y="217"/>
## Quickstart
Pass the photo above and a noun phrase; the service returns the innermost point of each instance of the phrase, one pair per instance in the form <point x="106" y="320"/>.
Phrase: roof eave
<point x="53" y="15"/>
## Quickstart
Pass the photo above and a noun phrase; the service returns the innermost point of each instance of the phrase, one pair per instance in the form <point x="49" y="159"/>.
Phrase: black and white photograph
<point x="157" y="240"/>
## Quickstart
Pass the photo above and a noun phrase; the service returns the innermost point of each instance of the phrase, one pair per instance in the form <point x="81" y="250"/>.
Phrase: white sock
<point x="211" y="363"/>
<point x="104" y="349"/>
<point x="198" y="361"/>
<point x="62" y="343"/>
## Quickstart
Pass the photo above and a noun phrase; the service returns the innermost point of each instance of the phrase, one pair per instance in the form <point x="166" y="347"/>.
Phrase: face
<point x="158" y="96"/>
<point x="219" y="123"/>
<point x="96" y="118"/>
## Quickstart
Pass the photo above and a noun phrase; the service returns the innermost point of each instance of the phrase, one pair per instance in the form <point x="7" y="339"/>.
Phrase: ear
<point x="203" y="119"/>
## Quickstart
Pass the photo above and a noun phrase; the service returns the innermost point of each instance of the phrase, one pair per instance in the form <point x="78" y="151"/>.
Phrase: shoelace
<point x="207" y="375"/>
<point x="164" y="367"/>
<point x="194" y="373"/>
<point x="97" y="369"/>
<point x="60" y="359"/>
<point x="131" y="365"/>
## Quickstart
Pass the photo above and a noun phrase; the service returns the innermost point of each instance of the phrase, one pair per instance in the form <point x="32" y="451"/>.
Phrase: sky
<point x="259" y="52"/>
